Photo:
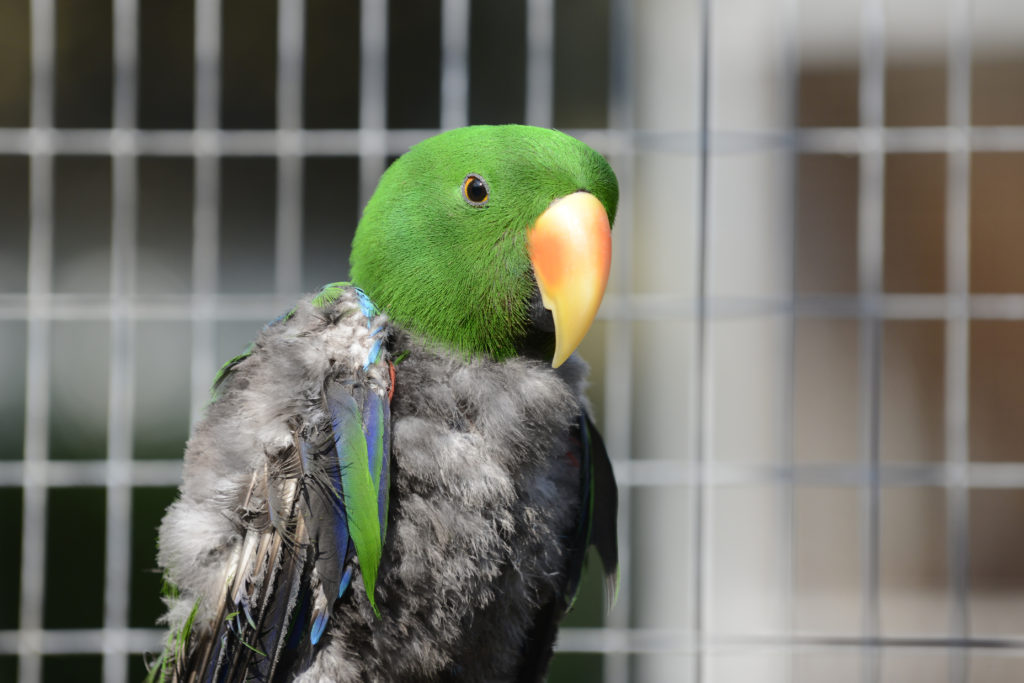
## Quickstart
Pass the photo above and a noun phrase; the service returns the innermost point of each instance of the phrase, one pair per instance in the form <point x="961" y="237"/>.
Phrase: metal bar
<point x="618" y="307"/>
<point x="540" y="63"/>
<point x="702" y="361"/>
<point x="373" y="96"/>
<point x="120" y="642"/>
<point x="70" y="473"/>
<point x="454" y="63"/>
<point x="629" y="473"/>
<point x="37" y="370"/>
<point x="666" y="641"/>
<point x="206" y="200"/>
<point x="870" y="248"/>
<point x="923" y="139"/>
<point x="669" y="473"/>
<point x="618" y="361"/>
<point x="346" y="142"/>
<point x="291" y="18"/>
<point x="790" y="27"/>
<point x="957" y="346"/>
<point x="582" y="640"/>
<point x="117" y="579"/>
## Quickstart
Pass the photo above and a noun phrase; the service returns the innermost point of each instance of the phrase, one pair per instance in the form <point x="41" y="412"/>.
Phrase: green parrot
<point x="399" y="479"/>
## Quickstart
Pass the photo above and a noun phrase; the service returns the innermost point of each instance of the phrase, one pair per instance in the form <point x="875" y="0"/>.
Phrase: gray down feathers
<point x="482" y="496"/>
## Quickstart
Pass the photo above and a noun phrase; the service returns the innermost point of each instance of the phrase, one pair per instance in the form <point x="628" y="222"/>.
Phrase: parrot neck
<point x="537" y="344"/>
<point x="536" y="341"/>
<point x="539" y="340"/>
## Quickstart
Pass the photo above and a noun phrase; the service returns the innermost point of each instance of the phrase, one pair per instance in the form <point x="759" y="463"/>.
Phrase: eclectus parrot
<point x="399" y="480"/>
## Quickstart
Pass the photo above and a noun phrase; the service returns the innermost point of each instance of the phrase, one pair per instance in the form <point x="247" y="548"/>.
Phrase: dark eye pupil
<point x="476" y="190"/>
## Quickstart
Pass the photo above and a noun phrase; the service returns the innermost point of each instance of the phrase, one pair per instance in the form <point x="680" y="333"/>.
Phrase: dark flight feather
<point x="604" y="508"/>
<point x="595" y="526"/>
<point x="596" y="520"/>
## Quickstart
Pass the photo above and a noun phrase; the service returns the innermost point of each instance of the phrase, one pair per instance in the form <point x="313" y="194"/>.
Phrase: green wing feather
<point x="358" y="484"/>
<point x="226" y="369"/>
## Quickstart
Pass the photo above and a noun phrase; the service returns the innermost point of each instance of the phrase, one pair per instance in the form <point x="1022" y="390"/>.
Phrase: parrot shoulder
<point x="291" y="456"/>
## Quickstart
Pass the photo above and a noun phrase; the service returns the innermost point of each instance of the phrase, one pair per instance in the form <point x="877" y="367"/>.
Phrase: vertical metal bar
<point x="373" y="95"/>
<point x="117" y="583"/>
<point x="870" y="250"/>
<point x="540" y="62"/>
<point x="454" y="63"/>
<point x="206" y="200"/>
<point x="957" y="351"/>
<point x="291" y="17"/>
<point x="790" y="19"/>
<point x="618" y="394"/>
<point x="207" y="74"/>
<point x="702" y="374"/>
<point x="37" y="381"/>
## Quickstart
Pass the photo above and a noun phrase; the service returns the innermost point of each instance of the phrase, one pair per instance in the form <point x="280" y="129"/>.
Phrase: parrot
<point x="399" y="479"/>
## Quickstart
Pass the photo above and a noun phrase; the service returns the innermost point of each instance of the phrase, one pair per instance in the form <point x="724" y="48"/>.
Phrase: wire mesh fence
<point x="806" y="367"/>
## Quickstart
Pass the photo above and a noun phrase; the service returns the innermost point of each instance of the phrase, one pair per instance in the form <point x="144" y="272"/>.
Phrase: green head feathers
<point x="455" y="269"/>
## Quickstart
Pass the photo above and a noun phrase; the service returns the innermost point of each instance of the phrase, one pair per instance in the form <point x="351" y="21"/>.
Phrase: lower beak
<point x="570" y="247"/>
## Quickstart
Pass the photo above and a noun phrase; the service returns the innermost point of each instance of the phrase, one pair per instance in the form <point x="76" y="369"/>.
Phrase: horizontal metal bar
<point x="82" y="641"/>
<point x="71" y="473"/>
<point x="1009" y="306"/>
<point x="976" y="475"/>
<point x="669" y="641"/>
<point x="257" y="307"/>
<point x="853" y="140"/>
<point x="346" y="142"/>
<point x="167" y="308"/>
<point x="582" y="640"/>
<point x="197" y="142"/>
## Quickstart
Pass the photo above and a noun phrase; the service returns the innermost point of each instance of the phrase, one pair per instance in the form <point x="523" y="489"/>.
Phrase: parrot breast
<point x="482" y="498"/>
<point x="482" y="495"/>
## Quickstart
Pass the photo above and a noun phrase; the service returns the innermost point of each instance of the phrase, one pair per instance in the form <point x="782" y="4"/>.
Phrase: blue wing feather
<point x="326" y="519"/>
<point x="373" y="427"/>
<point x="368" y="308"/>
<point x="317" y="629"/>
<point x="384" y="480"/>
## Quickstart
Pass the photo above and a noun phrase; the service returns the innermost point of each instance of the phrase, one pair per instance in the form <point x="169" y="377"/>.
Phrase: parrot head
<point x="491" y="240"/>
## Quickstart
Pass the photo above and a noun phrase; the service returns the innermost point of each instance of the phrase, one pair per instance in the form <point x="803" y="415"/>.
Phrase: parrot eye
<point x="475" y="190"/>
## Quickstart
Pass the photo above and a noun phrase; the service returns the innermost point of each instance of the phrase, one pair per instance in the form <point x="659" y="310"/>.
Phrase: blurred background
<point x="809" y="367"/>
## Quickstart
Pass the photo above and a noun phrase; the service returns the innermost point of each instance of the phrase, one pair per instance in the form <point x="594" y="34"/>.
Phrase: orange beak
<point x="570" y="247"/>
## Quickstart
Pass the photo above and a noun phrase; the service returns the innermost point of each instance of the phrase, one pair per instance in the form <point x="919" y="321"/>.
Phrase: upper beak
<point x="570" y="247"/>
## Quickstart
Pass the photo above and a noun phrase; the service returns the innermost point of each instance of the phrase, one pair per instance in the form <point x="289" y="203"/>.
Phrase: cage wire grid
<point x="289" y="144"/>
